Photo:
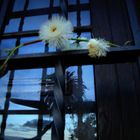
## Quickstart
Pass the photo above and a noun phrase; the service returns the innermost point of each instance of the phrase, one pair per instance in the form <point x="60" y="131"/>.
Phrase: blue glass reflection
<point x="18" y="5"/>
<point x="3" y="89"/>
<point x="84" y="1"/>
<point x="33" y="48"/>
<point x="34" y="22"/>
<point x="85" y="18"/>
<point x="12" y="26"/>
<point x="72" y="16"/>
<point x="26" y="85"/>
<point x="6" y="45"/>
<point x="35" y="4"/>
<point x="56" y="3"/>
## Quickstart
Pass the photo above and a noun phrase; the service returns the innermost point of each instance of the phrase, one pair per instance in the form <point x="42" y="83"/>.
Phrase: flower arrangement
<point x="57" y="32"/>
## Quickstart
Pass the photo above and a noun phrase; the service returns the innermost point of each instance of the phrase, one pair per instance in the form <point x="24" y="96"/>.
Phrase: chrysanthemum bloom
<point x="97" y="47"/>
<point x="56" y="31"/>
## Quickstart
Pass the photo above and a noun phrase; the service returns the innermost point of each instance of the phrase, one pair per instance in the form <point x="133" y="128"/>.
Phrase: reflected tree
<point x="86" y="129"/>
<point x="85" y="125"/>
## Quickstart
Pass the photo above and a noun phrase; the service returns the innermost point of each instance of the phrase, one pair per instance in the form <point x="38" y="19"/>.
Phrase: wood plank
<point x="107" y="91"/>
<point x="70" y="58"/>
<point x="130" y="109"/>
<point x="109" y="118"/>
<point x="108" y="115"/>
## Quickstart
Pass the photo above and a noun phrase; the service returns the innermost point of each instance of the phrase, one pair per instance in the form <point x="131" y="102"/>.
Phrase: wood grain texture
<point x="117" y="90"/>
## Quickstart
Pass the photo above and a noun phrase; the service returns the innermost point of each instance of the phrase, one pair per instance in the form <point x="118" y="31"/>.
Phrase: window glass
<point x="3" y="89"/>
<point x="80" y="101"/>
<point x="12" y="26"/>
<point x="72" y="17"/>
<point x="80" y="126"/>
<point x="85" y="18"/>
<point x="26" y="85"/>
<point x="56" y="3"/>
<point x="35" y="4"/>
<point x="6" y="45"/>
<point x="34" y="22"/>
<point x="22" y="126"/>
<point x="84" y="1"/>
<point x="18" y="5"/>
<point x="71" y="1"/>
<point x="81" y="85"/>
<point x="33" y="48"/>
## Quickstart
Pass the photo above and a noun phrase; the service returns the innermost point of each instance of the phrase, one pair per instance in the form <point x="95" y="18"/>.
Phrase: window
<point x="40" y="79"/>
<point x="23" y="88"/>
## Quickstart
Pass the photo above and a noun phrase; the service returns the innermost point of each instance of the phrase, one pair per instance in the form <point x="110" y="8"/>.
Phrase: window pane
<point x="84" y="1"/>
<point x="6" y="45"/>
<point x="21" y="126"/>
<point x="33" y="48"/>
<point x="72" y="17"/>
<point x="26" y="85"/>
<point x="3" y="89"/>
<point x="56" y="3"/>
<point x="12" y="26"/>
<point x="85" y="18"/>
<point x="80" y="126"/>
<point x="71" y="1"/>
<point x="34" y="22"/>
<point x="35" y="4"/>
<point x="81" y="85"/>
<point x="19" y="5"/>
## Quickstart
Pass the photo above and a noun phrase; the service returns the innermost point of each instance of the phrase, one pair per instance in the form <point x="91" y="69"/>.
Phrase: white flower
<point x="56" y="31"/>
<point x="97" y="47"/>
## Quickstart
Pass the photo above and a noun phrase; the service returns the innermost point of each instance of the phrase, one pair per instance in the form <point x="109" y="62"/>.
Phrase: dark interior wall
<point x="137" y="6"/>
<point x="117" y="85"/>
<point x="1" y="1"/>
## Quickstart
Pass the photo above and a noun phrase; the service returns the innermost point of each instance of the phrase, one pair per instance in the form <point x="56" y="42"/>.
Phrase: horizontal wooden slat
<point x="70" y="58"/>
<point x="77" y="107"/>
<point x="44" y="11"/>
<point x="35" y="32"/>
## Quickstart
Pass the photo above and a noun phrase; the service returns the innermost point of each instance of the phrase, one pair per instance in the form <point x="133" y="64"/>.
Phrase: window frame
<point x="69" y="58"/>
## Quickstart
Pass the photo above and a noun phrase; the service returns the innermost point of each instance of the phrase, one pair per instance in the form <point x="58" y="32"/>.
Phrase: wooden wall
<point x="117" y="85"/>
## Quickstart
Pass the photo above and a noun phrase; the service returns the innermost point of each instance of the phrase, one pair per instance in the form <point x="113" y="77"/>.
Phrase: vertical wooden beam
<point x="133" y="21"/>
<point x="58" y="105"/>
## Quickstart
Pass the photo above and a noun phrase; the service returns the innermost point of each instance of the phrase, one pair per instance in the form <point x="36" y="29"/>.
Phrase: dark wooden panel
<point x="108" y="114"/>
<point x="108" y="106"/>
<point x="112" y="103"/>
<point x="128" y="99"/>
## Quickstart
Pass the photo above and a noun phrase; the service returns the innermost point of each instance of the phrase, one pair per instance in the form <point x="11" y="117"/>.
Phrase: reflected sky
<point x="25" y="126"/>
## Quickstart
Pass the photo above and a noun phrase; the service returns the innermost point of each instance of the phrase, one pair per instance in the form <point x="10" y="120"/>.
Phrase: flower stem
<point x="79" y="39"/>
<point x="112" y="44"/>
<point x="14" y="49"/>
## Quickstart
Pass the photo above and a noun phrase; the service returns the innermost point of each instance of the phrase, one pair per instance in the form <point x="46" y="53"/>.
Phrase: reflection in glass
<point x="6" y="45"/>
<point x="34" y="22"/>
<point x="18" y="5"/>
<point x="71" y="1"/>
<point x="80" y="83"/>
<point x="79" y="103"/>
<point x="72" y="16"/>
<point x="35" y="4"/>
<point x="85" y="15"/>
<point x="23" y="126"/>
<point x="33" y="48"/>
<point x="12" y="26"/>
<point x="84" y="1"/>
<point x="3" y="89"/>
<point x="80" y="127"/>
<point x="26" y="85"/>
<point x="56" y="3"/>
